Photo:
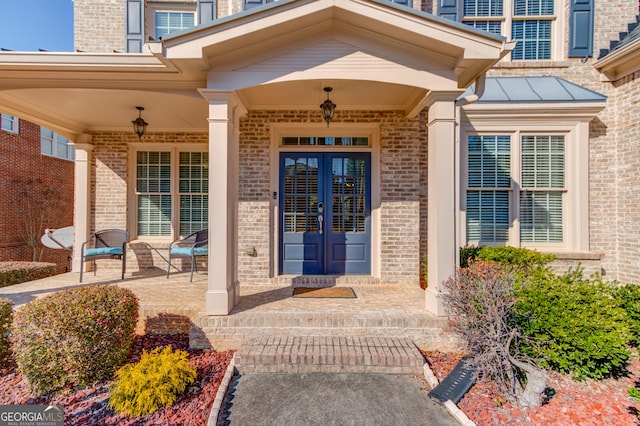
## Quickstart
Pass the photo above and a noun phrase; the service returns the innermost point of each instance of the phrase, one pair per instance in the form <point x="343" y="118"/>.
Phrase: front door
<point x="325" y="213"/>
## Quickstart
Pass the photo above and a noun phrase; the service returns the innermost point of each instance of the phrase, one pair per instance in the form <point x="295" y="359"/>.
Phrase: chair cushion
<point x="186" y="251"/>
<point x="100" y="251"/>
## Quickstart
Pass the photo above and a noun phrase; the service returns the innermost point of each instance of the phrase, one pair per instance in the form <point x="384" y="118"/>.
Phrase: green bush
<point x="6" y="314"/>
<point x="74" y="337"/>
<point x="19" y="272"/>
<point x="467" y="255"/>
<point x="505" y="255"/>
<point x="628" y="297"/>
<point x="574" y="324"/>
<point x="154" y="382"/>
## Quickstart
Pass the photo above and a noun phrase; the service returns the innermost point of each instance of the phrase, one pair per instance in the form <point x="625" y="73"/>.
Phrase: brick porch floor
<point x="176" y="305"/>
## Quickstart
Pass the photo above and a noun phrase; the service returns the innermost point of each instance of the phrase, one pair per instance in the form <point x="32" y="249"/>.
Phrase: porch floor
<point x="177" y="305"/>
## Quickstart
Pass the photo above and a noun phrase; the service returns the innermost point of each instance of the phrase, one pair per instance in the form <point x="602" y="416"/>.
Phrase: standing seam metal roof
<point x="534" y="89"/>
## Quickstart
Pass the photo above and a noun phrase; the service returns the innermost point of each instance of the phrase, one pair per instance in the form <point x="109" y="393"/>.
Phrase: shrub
<point x="6" y="314"/>
<point x="579" y="328"/>
<point x="153" y="383"/>
<point x="19" y="272"/>
<point x="505" y="255"/>
<point x="516" y="256"/>
<point x="74" y="337"/>
<point x="480" y="302"/>
<point x="628" y="297"/>
<point x="467" y="255"/>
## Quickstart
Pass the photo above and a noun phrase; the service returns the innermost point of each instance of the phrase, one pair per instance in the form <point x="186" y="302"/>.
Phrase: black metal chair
<point x="192" y="246"/>
<point x="105" y="244"/>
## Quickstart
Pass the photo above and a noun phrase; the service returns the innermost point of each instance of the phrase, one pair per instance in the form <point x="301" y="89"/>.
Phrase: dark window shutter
<point x="135" y="25"/>
<point x="450" y="9"/>
<point x="248" y="4"/>
<point x="581" y="29"/>
<point x="206" y="11"/>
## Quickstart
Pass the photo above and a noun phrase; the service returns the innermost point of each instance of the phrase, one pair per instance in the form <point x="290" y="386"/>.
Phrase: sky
<point x="29" y="25"/>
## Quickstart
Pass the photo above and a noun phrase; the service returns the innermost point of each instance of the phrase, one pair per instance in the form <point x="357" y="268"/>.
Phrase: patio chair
<point x="192" y="246"/>
<point x="105" y="244"/>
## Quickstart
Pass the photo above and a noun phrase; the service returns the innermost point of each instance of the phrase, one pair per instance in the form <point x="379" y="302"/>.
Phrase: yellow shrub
<point x="153" y="383"/>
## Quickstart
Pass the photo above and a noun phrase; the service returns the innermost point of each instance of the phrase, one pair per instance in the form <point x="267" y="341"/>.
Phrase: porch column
<point x="223" y="291"/>
<point x="441" y="184"/>
<point x="81" y="196"/>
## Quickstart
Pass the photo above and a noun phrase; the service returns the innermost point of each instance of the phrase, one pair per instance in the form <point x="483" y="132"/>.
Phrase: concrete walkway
<point x="315" y="380"/>
<point x="326" y="399"/>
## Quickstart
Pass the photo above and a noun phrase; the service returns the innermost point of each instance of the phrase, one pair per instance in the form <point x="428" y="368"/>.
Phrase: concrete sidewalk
<point x="330" y="399"/>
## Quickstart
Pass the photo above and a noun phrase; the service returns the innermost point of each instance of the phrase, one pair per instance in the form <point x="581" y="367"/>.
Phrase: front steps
<point x="230" y="332"/>
<point x="314" y="354"/>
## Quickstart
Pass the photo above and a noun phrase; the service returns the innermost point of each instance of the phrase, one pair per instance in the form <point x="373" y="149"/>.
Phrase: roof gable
<point x="467" y="52"/>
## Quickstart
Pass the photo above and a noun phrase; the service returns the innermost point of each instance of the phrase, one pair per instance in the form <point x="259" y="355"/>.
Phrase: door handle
<point x="320" y="222"/>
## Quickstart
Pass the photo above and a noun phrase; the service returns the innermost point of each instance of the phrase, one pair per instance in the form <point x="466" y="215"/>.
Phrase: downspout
<point x="477" y="94"/>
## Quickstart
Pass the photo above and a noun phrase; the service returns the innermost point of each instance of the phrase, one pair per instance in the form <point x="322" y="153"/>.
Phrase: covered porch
<point x="235" y="88"/>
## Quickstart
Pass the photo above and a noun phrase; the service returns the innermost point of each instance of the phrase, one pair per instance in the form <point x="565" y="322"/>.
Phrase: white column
<point x="442" y="239"/>
<point x="223" y="291"/>
<point x="81" y="196"/>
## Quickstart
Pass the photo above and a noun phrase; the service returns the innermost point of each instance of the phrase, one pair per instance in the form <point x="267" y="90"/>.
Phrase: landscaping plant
<point x="6" y="315"/>
<point x="481" y="301"/>
<point x="74" y="337"/>
<point x="574" y="324"/>
<point x="154" y="382"/>
<point x="628" y="297"/>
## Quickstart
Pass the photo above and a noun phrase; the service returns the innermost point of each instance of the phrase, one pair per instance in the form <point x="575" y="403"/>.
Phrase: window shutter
<point x="581" y="29"/>
<point x="135" y="26"/>
<point x="248" y="4"/>
<point x="450" y="9"/>
<point x="402" y="2"/>
<point x="206" y="11"/>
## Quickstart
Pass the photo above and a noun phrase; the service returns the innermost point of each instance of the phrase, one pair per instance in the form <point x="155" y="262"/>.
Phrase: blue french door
<point x="325" y="213"/>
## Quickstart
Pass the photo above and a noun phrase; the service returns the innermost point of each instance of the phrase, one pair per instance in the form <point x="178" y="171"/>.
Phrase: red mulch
<point x="90" y="405"/>
<point x="590" y="402"/>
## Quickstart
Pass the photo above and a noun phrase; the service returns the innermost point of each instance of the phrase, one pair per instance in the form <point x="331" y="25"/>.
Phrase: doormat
<point x="325" y="292"/>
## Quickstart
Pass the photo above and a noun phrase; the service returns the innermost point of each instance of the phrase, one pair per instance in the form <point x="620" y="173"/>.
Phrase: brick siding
<point x="401" y="175"/>
<point x="20" y="159"/>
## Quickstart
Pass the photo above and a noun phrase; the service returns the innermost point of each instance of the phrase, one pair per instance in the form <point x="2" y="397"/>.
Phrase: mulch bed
<point x="589" y="402"/>
<point x="90" y="405"/>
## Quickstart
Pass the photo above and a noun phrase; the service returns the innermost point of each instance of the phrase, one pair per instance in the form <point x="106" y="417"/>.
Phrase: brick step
<point x="230" y="332"/>
<point x="318" y="354"/>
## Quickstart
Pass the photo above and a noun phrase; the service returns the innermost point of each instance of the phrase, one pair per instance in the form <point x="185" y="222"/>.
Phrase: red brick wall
<point x="20" y="158"/>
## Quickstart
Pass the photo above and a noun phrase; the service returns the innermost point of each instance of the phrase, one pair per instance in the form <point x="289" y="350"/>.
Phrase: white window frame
<point x="575" y="196"/>
<point x="153" y="7"/>
<point x="56" y="141"/>
<point x="508" y="17"/>
<point x="14" y="121"/>
<point x="174" y="151"/>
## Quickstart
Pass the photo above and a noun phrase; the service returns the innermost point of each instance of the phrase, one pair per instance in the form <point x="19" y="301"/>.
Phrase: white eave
<point x="621" y="62"/>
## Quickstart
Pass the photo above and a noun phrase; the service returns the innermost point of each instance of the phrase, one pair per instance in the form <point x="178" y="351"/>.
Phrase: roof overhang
<point x="621" y="62"/>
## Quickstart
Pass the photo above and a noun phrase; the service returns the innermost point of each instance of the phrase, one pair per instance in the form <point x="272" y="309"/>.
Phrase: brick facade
<point x="613" y="158"/>
<point x="401" y="176"/>
<point x="23" y="167"/>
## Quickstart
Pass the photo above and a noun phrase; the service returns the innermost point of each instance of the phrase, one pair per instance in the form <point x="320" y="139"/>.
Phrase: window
<point x="537" y="189"/>
<point x="171" y="22"/>
<point x="54" y="145"/>
<point x="489" y="182"/>
<point x="325" y="140"/>
<point x="528" y="22"/>
<point x="9" y="123"/>
<point x="158" y="198"/>
<point x="542" y="187"/>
